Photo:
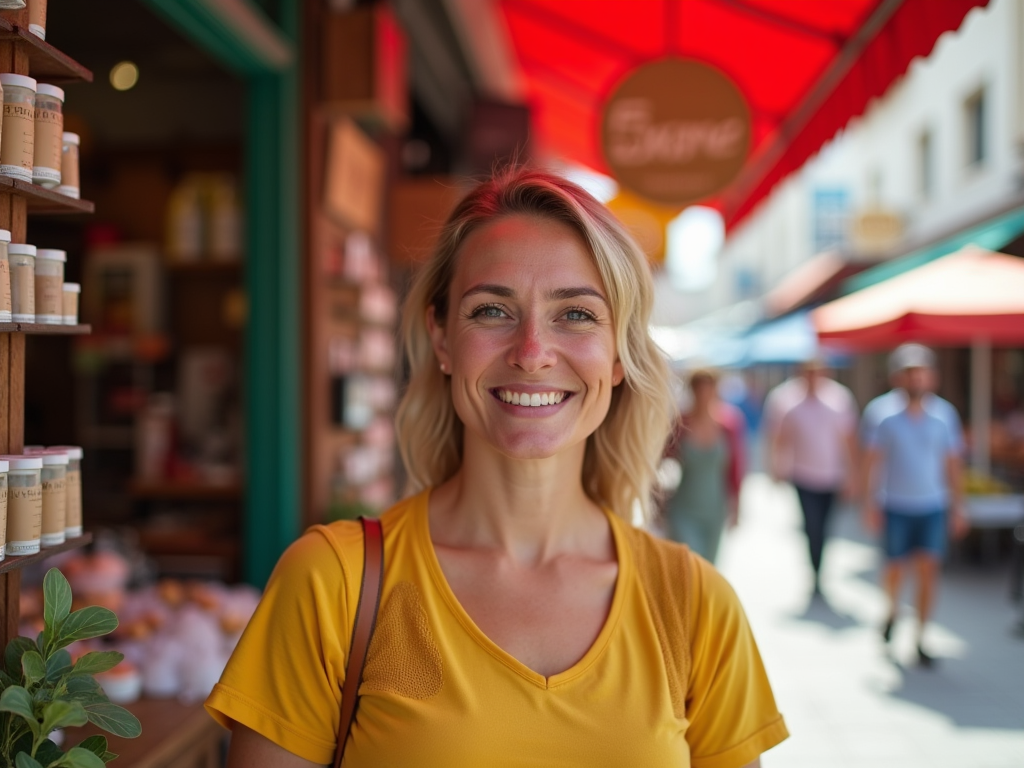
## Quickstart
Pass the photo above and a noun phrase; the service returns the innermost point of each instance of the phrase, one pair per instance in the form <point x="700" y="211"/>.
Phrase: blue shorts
<point x="915" y="532"/>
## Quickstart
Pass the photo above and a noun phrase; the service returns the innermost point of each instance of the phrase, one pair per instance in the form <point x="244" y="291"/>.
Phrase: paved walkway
<point x="848" y="704"/>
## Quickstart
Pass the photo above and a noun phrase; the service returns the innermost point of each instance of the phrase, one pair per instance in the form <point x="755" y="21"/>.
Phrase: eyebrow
<point x="558" y="294"/>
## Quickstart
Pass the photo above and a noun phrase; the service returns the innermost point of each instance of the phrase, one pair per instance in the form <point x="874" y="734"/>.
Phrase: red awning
<point x="969" y="295"/>
<point x="805" y="68"/>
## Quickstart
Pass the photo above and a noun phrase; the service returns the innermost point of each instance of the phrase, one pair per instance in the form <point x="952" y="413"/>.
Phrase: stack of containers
<point x="35" y="149"/>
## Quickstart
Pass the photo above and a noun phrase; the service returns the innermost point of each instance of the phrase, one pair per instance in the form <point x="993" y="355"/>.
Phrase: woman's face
<point x="528" y="341"/>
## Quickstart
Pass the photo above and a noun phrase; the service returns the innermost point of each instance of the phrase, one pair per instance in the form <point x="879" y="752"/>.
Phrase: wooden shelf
<point x="43" y="329"/>
<point x="185" y="491"/>
<point x="46" y="64"/>
<point x="14" y="562"/>
<point x="45" y="201"/>
<point x="172" y="734"/>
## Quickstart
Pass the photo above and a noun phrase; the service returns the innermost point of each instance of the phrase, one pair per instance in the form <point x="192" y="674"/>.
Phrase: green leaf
<point x="19" y="702"/>
<point x="97" y="661"/>
<point x="59" y="714"/>
<point x="56" y="598"/>
<point x="48" y="752"/>
<point x="96" y="744"/>
<point x="84" y="690"/>
<point x="82" y="684"/>
<point x="82" y="758"/>
<point x="33" y="667"/>
<point x="58" y="665"/>
<point x="25" y="760"/>
<point x="113" y="719"/>
<point x="83" y="624"/>
<point x="12" y="655"/>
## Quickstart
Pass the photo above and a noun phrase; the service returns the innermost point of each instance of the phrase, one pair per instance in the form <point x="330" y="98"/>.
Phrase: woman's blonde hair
<point x="623" y="454"/>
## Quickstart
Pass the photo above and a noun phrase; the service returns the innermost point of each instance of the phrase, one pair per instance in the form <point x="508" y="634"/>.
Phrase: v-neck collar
<point x="420" y="513"/>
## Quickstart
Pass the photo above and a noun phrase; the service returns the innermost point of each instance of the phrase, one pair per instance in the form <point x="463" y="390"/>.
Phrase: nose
<point x="532" y="349"/>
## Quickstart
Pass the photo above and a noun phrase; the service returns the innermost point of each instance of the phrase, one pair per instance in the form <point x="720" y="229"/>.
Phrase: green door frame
<point x="268" y="62"/>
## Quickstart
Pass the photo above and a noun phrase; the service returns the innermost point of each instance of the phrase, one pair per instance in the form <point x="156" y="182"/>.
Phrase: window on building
<point x="974" y="114"/>
<point x="926" y="165"/>
<point x="831" y="217"/>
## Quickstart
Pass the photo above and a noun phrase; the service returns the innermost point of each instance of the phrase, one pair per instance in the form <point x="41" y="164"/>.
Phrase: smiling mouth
<point x="531" y="399"/>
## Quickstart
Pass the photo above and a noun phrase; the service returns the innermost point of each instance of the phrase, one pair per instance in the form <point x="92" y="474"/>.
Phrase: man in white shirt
<point x="815" y="447"/>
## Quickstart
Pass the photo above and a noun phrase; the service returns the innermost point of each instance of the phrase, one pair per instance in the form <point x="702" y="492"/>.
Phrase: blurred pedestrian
<point x="778" y="401"/>
<point x="914" y="475"/>
<point x="708" y="443"/>
<point x="816" y="450"/>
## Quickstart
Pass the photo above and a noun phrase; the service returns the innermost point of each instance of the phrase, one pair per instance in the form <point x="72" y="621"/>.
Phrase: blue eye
<point x="492" y="311"/>
<point x="580" y="315"/>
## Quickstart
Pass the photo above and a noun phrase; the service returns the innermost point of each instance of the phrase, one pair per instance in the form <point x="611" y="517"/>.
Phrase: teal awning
<point x="993" y="235"/>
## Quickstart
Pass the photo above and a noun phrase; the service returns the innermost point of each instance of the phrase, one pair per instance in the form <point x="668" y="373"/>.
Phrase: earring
<point x="444" y="368"/>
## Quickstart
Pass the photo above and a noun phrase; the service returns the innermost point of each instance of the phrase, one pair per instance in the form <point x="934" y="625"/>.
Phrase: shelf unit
<point x="23" y="53"/>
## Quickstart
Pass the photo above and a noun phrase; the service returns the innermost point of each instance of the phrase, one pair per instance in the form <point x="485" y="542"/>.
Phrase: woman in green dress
<point x="708" y="443"/>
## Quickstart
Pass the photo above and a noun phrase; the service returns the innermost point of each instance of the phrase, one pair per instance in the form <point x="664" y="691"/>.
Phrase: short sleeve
<point x="284" y="678"/>
<point x="956" y="430"/>
<point x="730" y="706"/>
<point x="869" y="424"/>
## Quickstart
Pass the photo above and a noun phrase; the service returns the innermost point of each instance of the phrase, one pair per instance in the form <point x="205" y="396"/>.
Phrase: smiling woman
<point x="523" y="620"/>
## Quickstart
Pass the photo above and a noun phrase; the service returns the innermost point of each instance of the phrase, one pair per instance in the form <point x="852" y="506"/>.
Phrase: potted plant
<point x="43" y="690"/>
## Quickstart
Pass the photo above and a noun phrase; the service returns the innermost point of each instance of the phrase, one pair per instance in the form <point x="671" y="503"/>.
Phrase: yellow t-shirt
<point x="437" y="692"/>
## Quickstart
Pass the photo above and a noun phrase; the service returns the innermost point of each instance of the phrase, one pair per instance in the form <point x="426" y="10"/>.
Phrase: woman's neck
<point x="531" y="510"/>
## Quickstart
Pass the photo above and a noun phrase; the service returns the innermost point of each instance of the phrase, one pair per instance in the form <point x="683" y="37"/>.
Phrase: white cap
<point x="53" y="458"/>
<point x="22" y="249"/>
<point x="4" y="465"/>
<point x="74" y="452"/>
<point x="72" y="288"/>
<point x="19" y="81"/>
<point x="25" y="462"/>
<point x="71" y="138"/>
<point x="5" y="236"/>
<point x="50" y="90"/>
<point x="51" y="254"/>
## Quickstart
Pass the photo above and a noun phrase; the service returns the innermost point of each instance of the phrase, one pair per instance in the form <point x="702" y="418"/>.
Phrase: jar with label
<point x="54" y="478"/>
<point x="24" y="504"/>
<point x="17" y="140"/>
<point x="22" y="260"/>
<point x="6" y="308"/>
<point x="50" y="286"/>
<point x="4" y="467"/>
<point x="69" y="166"/>
<point x="49" y="135"/>
<point x="37" y="18"/>
<point x="73" y="519"/>
<point x="70" y="297"/>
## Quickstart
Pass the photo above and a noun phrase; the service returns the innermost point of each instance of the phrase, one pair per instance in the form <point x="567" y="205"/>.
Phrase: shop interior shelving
<point x="25" y="54"/>
<point x="14" y="562"/>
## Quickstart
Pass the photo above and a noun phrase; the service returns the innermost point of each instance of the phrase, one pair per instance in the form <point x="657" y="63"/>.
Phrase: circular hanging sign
<point x="675" y="131"/>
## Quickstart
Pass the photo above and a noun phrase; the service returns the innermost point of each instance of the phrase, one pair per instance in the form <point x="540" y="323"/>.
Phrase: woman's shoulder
<point x="674" y="574"/>
<point x="341" y="541"/>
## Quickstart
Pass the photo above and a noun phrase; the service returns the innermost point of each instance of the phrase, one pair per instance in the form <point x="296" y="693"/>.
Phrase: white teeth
<point x="534" y="400"/>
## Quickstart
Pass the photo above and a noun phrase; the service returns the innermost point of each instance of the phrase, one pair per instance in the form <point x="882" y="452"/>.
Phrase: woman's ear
<point x="439" y="340"/>
<point x="618" y="373"/>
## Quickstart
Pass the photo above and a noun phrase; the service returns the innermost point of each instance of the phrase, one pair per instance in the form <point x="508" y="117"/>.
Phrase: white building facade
<point x="941" y="151"/>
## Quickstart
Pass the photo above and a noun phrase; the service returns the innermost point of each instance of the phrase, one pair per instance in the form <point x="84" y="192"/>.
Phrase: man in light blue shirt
<point x="913" y="472"/>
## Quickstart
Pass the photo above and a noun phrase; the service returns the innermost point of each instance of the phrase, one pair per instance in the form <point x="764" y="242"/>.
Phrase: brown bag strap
<point x="362" y="628"/>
